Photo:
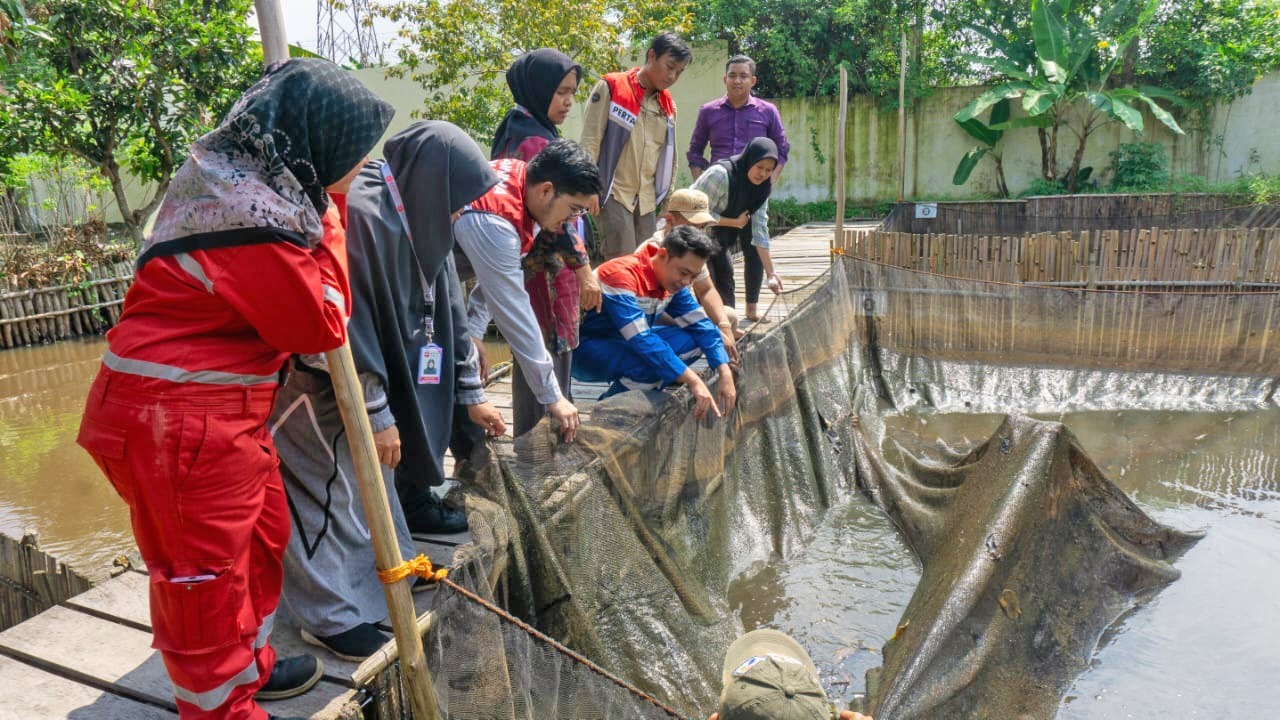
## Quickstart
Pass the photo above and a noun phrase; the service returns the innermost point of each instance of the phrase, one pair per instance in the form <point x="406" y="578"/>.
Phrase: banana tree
<point x="990" y="140"/>
<point x="1078" y="45"/>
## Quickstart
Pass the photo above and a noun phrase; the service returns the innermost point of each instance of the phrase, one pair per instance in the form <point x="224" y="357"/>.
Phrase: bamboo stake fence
<point x="1083" y="212"/>
<point x="1184" y="299"/>
<point x="33" y="316"/>
<point x="1151" y="259"/>
<point x="32" y="581"/>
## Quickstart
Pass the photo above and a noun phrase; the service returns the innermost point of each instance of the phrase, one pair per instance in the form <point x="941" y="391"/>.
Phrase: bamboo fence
<point x="1083" y="212"/>
<point x="32" y="581"/>
<point x="1173" y="300"/>
<point x="1189" y="260"/>
<point x="33" y="316"/>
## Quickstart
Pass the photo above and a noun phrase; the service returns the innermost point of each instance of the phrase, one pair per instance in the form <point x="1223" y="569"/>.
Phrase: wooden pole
<point x="837" y="240"/>
<point x="346" y="389"/>
<point x="902" y="120"/>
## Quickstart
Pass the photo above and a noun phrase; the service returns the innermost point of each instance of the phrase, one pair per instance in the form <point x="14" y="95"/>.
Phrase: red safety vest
<point x="625" y="97"/>
<point x="506" y="200"/>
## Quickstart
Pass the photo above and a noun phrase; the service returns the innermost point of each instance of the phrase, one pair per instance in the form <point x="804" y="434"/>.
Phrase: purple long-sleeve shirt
<point x="729" y="129"/>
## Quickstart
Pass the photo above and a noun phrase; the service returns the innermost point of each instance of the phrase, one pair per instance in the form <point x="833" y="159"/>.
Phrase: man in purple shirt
<point x="735" y="120"/>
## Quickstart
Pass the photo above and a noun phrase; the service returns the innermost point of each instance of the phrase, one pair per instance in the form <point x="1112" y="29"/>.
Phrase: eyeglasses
<point x="578" y="210"/>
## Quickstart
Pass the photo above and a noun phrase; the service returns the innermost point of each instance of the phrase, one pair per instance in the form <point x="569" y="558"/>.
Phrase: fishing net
<point x="628" y="545"/>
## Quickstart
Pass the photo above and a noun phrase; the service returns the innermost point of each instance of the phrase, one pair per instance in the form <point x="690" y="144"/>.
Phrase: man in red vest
<point x="497" y="230"/>
<point x="630" y="130"/>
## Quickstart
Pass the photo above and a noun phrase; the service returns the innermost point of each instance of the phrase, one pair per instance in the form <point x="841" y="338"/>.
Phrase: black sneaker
<point x="427" y="514"/>
<point x="355" y="644"/>
<point x="291" y="676"/>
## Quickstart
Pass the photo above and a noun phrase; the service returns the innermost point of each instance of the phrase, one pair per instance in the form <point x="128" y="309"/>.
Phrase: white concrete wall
<point x="935" y="143"/>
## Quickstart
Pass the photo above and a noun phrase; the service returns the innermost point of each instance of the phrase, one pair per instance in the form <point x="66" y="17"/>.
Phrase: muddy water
<point x="47" y="483"/>
<point x="1204" y="647"/>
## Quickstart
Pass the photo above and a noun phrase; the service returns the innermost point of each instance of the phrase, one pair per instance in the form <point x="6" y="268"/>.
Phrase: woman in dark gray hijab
<point x="416" y="361"/>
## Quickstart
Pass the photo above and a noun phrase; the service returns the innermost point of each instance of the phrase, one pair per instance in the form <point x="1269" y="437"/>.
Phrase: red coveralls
<point x="176" y="419"/>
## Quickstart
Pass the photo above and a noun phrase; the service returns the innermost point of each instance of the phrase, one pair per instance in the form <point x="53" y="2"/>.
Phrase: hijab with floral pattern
<point x="261" y="175"/>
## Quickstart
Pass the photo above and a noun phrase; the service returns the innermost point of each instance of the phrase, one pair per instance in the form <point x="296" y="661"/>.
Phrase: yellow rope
<point x="837" y="251"/>
<point x="420" y="566"/>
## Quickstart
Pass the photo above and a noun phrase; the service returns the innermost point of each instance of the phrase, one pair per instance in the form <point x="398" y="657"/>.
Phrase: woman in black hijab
<point x="543" y="83"/>
<point x="409" y="340"/>
<point x="557" y="269"/>
<point x="237" y="275"/>
<point x="738" y="189"/>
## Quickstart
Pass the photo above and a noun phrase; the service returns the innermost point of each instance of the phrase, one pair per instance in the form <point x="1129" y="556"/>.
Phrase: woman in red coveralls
<point x="235" y="278"/>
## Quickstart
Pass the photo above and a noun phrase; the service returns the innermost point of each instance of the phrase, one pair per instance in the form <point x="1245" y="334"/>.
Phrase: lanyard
<point x="428" y="288"/>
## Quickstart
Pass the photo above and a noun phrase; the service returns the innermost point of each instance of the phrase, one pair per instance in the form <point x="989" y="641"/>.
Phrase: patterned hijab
<point x="533" y="79"/>
<point x="302" y="127"/>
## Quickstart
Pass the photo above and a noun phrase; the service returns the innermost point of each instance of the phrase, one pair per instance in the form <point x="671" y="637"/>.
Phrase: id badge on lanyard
<point x="430" y="355"/>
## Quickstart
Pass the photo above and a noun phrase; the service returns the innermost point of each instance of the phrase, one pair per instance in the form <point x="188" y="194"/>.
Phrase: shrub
<point x="1139" y="167"/>
<point x="785" y="213"/>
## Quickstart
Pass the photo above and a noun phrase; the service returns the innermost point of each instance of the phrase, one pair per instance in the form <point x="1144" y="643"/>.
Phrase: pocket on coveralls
<point x="198" y="617"/>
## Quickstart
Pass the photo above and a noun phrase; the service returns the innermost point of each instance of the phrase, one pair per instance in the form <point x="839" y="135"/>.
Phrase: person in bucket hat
<point x="769" y="676"/>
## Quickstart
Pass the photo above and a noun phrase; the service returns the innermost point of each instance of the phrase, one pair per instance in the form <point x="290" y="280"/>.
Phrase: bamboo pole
<point x="838" y="238"/>
<point x="404" y="619"/>
<point x="346" y="389"/>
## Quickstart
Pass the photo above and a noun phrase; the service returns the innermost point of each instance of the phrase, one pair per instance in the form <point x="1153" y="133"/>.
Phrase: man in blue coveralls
<point x="623" y="341"/>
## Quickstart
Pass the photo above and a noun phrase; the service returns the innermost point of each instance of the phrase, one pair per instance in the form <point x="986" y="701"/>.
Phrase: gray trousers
<point x="330" y="576"/>
<point x="525" y="407"/>
<point x="623" y="230"/>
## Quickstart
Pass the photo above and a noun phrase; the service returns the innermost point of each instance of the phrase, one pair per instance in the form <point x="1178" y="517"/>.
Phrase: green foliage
<point x="1076" y="47"/>
<point x="799" y="45"/>
<point x="1139" y="167"/>
<point x="60" y="191"/>
<point x="785" y="213"/>
<point x="1040" y="186"/>
<point x="1210" y="51"/>
<point x="126" y="84"/>
<point x="989" y="135"/>
<point x="1249" y="189"/>
<point x="459" y="51"/>
<point x="12" y="16"/>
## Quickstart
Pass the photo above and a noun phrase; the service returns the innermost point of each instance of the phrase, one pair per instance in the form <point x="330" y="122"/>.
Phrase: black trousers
<point x="720" y="265"/>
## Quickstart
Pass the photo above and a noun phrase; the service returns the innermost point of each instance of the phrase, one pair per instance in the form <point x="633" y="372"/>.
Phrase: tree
<point x="990" y="146"/>
<point x="460" y="51"/>
<point x="127" y="85"/>
<point x="1078" y="47"/>
<point x="799" y="45"/>
<point x="1208" y="52"/>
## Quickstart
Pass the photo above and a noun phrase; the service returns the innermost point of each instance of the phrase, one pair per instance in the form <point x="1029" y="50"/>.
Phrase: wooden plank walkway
<point x="91" y="658"/>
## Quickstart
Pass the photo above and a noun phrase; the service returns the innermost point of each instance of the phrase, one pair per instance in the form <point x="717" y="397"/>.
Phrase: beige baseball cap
<point x="768" y="676"/>
<point x="692" y="204"/>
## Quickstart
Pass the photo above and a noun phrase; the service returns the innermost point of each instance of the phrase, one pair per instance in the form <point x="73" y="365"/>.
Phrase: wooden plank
<point x="29" y="693"/>
<point x="122" y="598"/>
<point x="91" y="650"/>
<point x="108" y="655"/>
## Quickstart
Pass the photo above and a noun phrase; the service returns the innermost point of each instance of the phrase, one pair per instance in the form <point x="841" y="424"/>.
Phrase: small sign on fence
<point x="927" y="211"/>
<point x="873" y="302"/>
